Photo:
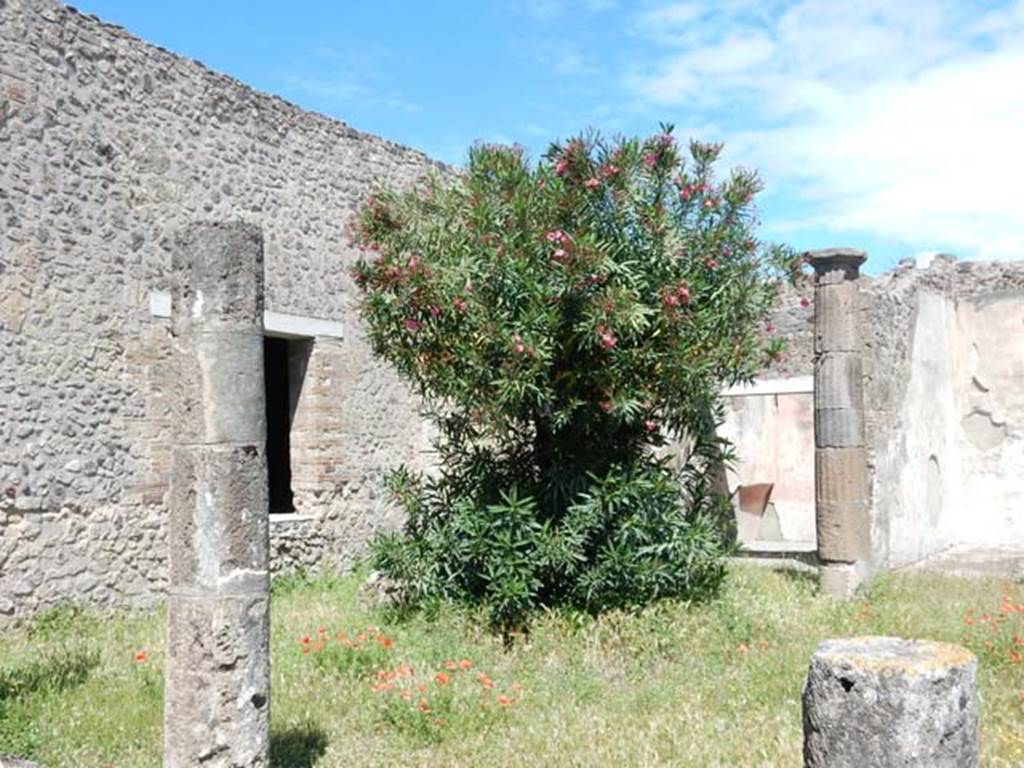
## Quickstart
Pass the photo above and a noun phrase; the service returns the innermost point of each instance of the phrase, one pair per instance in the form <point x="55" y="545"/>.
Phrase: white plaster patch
<point x="160" y="303"/>
<point x="300" y="326"/>
<point x="795" y="385"/>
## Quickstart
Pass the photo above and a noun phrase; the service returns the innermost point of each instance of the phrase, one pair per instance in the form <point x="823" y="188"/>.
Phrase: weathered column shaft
<point x="217" y="702"/>
<point x="884" y="702"/>
<point x="840" y="459"/>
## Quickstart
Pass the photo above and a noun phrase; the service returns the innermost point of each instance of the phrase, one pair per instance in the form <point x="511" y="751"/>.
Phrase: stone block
<point x="217" y="698"/>
<point x="840" y="474"/>
<point x="218" y="271"/>
<point x="840" y="580"/>
<point x="838" y="427"/>
<point x="836" y="317"/>
<point x="843" y="530"/>
<point x="838" y="381"/>
<point x="836" y="265"/>
<point x="885" y="702"/>
<point x="218" y="518"/>
<point x="221" y="392"/>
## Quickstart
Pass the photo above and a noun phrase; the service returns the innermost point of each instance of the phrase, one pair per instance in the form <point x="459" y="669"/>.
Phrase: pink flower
<point x="592" y="183"/>
<point x="517" y="345"/>
<point x="712" y="264"/>
<point x="671" y="300"/>
<point x="561" y="167"/>
<point x="683" y="292"/>
<point x="606" y="406"/>
<point x="686" y="192"/>
<point x="650" y="160"/>
<point x="650" y="425"/>
<point x="805" y="302"/>
<point x="609" y="170"/>
<point x="435" y="311"/>
<point x="557" y="236"/>
<point x="666" y="139"/>
<point x="460" y="304"/>
<point x="608" y="340"/>
<point x="412" y="325"/>
<point x="559" y="254"/>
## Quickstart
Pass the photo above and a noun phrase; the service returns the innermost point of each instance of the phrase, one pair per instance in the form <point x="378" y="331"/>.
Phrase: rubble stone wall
<point x="108" y="145"/>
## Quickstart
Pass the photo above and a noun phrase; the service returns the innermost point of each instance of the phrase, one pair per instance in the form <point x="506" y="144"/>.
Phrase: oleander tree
<point x="568" y="324"/>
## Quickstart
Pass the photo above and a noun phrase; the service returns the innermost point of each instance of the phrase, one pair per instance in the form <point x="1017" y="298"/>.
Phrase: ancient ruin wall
<point x="107" y="146"/>
<point x="944" y="409"/>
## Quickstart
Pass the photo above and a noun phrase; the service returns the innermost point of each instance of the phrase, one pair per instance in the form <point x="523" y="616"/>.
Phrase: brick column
<point x="840" y="460"/>
<point x="217" y="701"/>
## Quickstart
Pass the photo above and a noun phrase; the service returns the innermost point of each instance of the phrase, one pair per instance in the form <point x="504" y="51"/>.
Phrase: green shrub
<point x="563" y="322"/>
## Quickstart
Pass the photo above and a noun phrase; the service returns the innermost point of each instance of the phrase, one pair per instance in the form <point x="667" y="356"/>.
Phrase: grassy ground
<point x="711" y="685"/>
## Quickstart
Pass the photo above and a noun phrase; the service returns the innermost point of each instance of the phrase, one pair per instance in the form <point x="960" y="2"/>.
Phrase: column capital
<point x="845" y="260"/>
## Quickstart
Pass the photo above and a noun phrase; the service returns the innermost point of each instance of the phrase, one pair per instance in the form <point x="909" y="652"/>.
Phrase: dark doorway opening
<point x="276" y="377"/>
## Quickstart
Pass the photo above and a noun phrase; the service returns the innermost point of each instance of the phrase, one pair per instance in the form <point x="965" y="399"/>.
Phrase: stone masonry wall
<point x="944" y="417"/>
<point x="107" y="146"/>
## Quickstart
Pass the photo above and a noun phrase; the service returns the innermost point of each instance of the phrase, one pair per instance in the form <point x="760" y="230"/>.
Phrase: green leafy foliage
<point x="565" y="323"/>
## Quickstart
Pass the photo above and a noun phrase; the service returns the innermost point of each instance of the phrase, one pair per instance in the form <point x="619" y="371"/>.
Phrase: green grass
<point x="709" y="685"/>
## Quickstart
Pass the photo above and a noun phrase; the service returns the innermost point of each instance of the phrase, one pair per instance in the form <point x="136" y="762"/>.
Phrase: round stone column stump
<point x="885" y="702"/>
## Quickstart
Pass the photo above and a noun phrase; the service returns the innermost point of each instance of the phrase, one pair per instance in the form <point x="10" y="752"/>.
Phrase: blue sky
<point x="896" y="126"/>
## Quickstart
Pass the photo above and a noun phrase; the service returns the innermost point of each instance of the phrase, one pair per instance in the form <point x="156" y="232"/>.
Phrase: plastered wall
<point x="944" y="408"/>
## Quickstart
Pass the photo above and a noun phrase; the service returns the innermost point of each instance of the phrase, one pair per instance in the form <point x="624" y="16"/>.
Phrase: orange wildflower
<point x="485" y="681"/>
<point x="465" y="664"/>
<point x="506" y="701"/>
<point x="442" y="678"/>
<point x="424" y="706"/>
<point x="379" y="687"/>
<point x="141" y="657"/>
<point x="451" y="664"/>
<point x="386" y="642"/>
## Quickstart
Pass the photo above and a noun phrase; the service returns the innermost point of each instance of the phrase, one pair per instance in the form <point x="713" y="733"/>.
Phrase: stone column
<point x="217" y="700"/>
<point x="840" y="459"/>
<point x="887" y="703"/>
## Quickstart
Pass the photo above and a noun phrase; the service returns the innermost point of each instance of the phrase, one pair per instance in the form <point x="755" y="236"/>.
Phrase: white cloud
<point x="902" y="120"/>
